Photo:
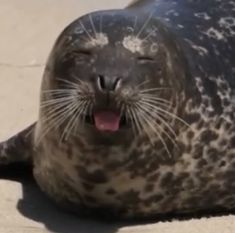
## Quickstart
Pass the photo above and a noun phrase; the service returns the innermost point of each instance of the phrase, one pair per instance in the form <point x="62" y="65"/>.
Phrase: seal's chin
<point x="107" y="121"/>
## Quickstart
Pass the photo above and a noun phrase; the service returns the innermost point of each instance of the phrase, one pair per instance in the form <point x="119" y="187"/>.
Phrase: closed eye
<point x="145" y="59"/>
<point x="83" y="52"/>
<point x="82" y="56"/>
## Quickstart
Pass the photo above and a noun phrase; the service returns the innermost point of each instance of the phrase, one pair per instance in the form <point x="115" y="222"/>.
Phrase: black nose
<point x="105" y="83"/>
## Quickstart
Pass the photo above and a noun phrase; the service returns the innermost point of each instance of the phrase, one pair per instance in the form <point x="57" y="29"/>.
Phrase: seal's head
<point x="112" y="74"/>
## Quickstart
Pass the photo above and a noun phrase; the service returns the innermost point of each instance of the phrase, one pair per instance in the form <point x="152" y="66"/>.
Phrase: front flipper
<point x="18" y="148"/>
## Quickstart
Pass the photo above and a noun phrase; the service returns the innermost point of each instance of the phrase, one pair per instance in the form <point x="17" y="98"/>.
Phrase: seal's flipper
<point x="17" y="148"/>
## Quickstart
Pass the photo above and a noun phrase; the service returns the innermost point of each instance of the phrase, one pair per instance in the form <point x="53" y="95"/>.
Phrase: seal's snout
<point x="106" y="84"/>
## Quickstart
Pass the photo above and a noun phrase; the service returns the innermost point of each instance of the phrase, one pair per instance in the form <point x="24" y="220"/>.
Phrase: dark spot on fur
<point x="200" y="124"/>
<point x="198" y="151"/>
<point x="189" y="184"/>
<point x="232" y="141"/>
<point x="226" y="102"/>
<point x="222" y="143"/>
<point x="89" y="199"/>
<point x="131" y="197"/>
<point x="192" y="118"/>
<point x="190" y="135"/>
<point x="219" y="123"/>
<point x="202" y="163"/>
<point x="69" y="152"/>
<point x="153" y="178"/>
<point x="88" y="187"/>
<point x="111" y="191"/>
<point x="149" y="188"/>
<point x="206" y="102"/>
<point x="207" y="136"/>
<point x="222" y="164"/>
<point x="114" y="165"/>
<point x="178" y="181"/>
<point x="153" y="199"/>
<point x="213" y="154"/>
<point x="211" y="89"/>
<point x="97" y="176"/>
<point x="167" y="180"/>
<point x="228" y="125"/>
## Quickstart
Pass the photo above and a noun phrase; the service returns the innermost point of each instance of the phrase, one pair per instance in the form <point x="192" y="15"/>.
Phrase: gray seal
<point x="137" y="112"/>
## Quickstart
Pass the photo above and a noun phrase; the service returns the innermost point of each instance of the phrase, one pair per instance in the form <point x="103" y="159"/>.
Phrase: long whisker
<point x="162" y="111"/>
<point x="70" y="84"/>
<point x="92" y="25"/>
<point x="53" y="102"/>
<point x="154" y="127"/>
<point x="145" y="24"/>
<point x="135" y="23"/>
<point x="87" y="32"/>
<point x="143" y="83"/>
<point x="150" y="34"/>
<point x="74" y="113"/>
<point x="156" y="102"/>
<point x="154" y="98"/>
<point x="155" y="89"/>
<point x="157" y="117"/>
<point x="57" y="111"/>
<point x="132" y="114"/>
<point x="58" y="118"/>
<point x="101" y="22"/>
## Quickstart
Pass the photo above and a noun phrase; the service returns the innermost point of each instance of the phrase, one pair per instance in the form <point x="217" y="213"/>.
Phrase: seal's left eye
<point x="145" y="59"/>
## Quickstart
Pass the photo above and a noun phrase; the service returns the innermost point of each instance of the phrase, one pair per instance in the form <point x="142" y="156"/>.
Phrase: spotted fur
<point x="130" y="175"/>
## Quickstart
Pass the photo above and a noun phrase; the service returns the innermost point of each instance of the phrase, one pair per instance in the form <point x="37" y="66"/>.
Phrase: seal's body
<point x="137" y="111"/>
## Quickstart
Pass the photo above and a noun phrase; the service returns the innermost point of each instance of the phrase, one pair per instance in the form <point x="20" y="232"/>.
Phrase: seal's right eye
<point x="82" y="55"/>
<point x="85" y="53"/>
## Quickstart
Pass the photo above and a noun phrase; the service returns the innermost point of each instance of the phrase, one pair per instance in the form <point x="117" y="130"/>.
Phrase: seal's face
<point x="114" y="74"/>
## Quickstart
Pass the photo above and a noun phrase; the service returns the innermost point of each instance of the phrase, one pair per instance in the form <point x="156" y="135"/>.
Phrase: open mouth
<point x="107" y="120"/>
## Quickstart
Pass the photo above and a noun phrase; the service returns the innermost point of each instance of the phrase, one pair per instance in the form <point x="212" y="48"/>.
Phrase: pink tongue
<point x="107" y="121"/>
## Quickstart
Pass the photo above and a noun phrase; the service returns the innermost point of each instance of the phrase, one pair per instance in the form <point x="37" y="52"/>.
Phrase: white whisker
<point x="93" y="25"/>
<point x="145" y="24"/>
<point x="156" y="102"/>
<point x="150" y="34"/>
<point x="155" y="98"/>
<point x="157" y="117"/>
<point x="155" y="89"/>
<point x="87" y="32"/>
<point x="154" y="127"/>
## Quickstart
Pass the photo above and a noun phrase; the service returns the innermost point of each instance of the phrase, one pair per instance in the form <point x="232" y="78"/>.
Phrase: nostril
<point x="105" y="83"/>
<point x="101" y="82"/>
<point x="117" y="84"/>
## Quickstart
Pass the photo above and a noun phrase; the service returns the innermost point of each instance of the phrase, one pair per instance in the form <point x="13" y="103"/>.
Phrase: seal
<point x="137" y="112"/>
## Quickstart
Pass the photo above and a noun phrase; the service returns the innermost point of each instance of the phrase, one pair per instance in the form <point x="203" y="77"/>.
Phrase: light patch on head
<point x="100" y="40"/>
<point x="133" y="44"/>
<point x="214" y="33"/>
<point x="202" y="15"/>
<point x="229" y="24"/>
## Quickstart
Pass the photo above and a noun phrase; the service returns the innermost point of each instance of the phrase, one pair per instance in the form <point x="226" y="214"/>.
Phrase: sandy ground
<point x="28" y="29"/>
